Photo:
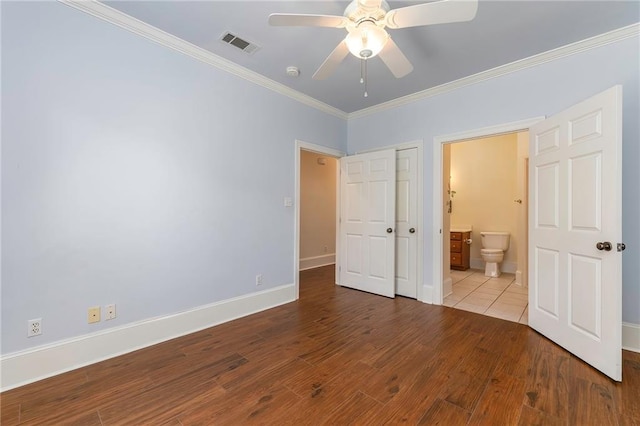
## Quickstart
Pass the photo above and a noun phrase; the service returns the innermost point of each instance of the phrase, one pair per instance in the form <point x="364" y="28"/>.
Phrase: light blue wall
<point x="539" y="91"/>
<point x="132" y="174"/>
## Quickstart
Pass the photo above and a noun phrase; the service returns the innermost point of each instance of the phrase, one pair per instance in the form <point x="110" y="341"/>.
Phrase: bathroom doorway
<point x="485" y="190"/>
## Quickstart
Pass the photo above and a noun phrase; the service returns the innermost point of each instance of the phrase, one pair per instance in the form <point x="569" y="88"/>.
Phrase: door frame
<point x="330" y="152"/>
<point x="437" y="290"/>
<point x="421" y="293"/>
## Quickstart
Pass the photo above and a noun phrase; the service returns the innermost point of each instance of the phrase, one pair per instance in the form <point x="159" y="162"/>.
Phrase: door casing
<point x="435" y="294"/>
<point x="299" y="146"/>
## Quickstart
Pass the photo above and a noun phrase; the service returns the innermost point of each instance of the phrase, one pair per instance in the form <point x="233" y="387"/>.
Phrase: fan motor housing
<point x="358" y="10"/>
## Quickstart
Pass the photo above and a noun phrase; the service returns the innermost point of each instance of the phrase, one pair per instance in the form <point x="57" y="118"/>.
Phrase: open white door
<point x="367" y="219"/>
<point x="575" y="216"/>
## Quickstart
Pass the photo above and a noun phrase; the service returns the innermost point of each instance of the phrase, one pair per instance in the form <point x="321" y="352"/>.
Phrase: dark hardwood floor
<point x="339" y="357"/>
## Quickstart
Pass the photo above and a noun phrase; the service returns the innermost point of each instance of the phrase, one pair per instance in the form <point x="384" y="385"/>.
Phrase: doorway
<point x="441" y="276"/>
<point x="316" y="152"/>
<point x="410" y="158"/>
<point x="485" y="180"/>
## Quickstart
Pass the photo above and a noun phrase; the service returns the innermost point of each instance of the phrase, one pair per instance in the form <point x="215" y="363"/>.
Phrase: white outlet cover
<point x="288" y="201"/>
<point x="110" y="311"/>
<point x="34" y="327"/>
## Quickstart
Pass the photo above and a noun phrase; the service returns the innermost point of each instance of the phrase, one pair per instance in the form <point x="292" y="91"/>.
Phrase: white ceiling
<point x="502" y="32"/>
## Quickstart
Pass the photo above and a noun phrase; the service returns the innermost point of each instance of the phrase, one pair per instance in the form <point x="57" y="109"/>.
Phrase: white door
<point x="575" y="210"/>
<point x="406" y="222"/>
<point x="367" y="221"/>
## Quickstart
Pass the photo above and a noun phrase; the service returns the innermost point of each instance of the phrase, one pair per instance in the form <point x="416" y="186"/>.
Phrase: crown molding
<point x="532" y="61"/>
<point x="129" y="23"/>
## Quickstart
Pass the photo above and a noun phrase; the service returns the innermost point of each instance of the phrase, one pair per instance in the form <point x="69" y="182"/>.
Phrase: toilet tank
<point x="495" y="240"/>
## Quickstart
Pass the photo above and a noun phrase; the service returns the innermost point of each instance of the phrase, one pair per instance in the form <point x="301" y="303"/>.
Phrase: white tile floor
<point x="496" y="297"/>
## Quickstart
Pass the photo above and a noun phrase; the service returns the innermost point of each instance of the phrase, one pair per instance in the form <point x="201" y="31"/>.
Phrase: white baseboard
<point x="317" y="261"/>
<point x="508" y="267"/>
<point x="447" y="287"/>
<point x="20" y="368"/>
<point x="427" y="294"/>
<point x="631" y="337"/>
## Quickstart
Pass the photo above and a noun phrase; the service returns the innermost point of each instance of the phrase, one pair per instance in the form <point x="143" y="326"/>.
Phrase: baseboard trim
<point x="447" y="287"/>
<point x="24" y="367"/>
<point x="631" y="337"/>
<point x="317" y="261"/>
<point x="427" y="294"/>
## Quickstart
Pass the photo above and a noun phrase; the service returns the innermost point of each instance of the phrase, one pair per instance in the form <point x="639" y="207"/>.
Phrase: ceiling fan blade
<point x="395" y="60"/>
<point x="296" y="20"/>
<point x="437" y="12"/>
<point x="333" y="60"/>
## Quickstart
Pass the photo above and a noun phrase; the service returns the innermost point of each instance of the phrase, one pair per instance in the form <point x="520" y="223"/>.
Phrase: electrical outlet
<point x="259" y="279"/>
<point x="94" y="314"/>
<point x="35" y="327"/>
<point x="110" y="312"/>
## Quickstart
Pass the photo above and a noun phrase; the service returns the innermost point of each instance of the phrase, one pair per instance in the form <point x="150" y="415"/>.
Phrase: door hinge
<point x="621" y="247"/>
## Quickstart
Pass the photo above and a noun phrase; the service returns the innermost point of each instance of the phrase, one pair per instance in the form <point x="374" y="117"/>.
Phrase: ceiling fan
<point x="365" y="22"/>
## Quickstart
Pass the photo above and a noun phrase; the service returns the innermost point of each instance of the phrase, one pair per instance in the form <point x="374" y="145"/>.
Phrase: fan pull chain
<point x="365" y="78"/>
<point x="361" y="71"/>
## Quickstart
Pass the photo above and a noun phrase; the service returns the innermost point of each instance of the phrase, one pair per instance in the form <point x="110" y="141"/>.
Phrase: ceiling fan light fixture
<point x="366" y="40"/>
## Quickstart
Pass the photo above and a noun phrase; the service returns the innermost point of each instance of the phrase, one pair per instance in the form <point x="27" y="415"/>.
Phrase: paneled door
<point x="406" y="222"/>
<point x="575" y="226"/>
<point x="367" y="222"/>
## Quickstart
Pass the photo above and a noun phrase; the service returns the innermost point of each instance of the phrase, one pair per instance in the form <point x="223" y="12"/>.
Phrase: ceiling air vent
<point x="244" y="45"/>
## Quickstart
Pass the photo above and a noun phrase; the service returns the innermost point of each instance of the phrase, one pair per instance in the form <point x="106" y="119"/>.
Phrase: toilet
<point x="494" y="244"/>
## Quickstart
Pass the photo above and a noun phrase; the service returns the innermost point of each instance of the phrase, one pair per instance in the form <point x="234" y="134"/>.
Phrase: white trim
<point x="436" y="201"/>
<point x="129" y="23"/>
<point x="447" y="286"/>
<point x="114" y="16"/>
<point x="317" y="261"/>
<point x="519" y="65"/>
<point x="631" y="337"/>
<point x="21" y="368"/>
<point x="301" y="145"/>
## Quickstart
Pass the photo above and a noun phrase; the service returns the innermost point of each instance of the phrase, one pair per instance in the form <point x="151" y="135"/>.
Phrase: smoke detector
<point x="293" y="71"/>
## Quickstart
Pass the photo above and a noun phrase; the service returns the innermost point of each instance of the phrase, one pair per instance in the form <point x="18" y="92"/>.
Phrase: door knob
<point x="412" y="230"/>
<point x="519" y="201"/>
<point x="621" y="247"/>
<point x="389" y="230"/>
<point x="606" y="246"/>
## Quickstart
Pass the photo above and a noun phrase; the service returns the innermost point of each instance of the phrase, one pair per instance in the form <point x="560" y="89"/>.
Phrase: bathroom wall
<point x="484" y="178"/>
<point x="317" y="210"/>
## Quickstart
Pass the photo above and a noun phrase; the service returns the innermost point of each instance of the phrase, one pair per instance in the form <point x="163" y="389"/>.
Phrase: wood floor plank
<point x="500" y="403"/>
<point x="446" y="414"/>
<point x="353" y="411"/>
<point x="546" y="387"/>
<point x="323" y="400"/>
<point x="532" y="417"/>
<point x="387" y="381"/>
<point x="339" y="356"/>
<point x="591" y="404"/>
<point x="254" y="408"/>
<point x="10" y="414"/>
<point x="628" y="391"/>
<point x="412" y="401"/>
<point x="60" y="418"/>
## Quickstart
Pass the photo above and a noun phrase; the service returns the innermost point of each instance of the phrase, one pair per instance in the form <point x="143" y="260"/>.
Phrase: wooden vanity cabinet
<point x="460" y="250"/>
